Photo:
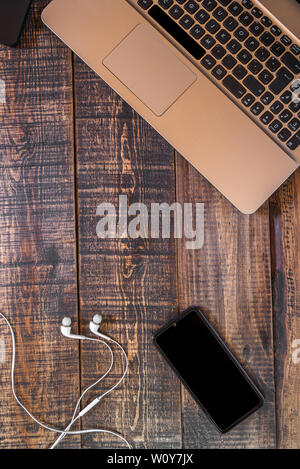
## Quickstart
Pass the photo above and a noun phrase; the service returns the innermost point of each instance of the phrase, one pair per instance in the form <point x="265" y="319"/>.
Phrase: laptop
<point x="218" y="79"/>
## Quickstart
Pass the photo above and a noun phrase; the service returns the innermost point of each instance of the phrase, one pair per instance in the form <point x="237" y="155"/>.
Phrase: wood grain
<point x="246" y="278"/>
<point x="131" y="282"/>
<point x="230" y="279"/>
<point x="285" y="228"/>
<point x="37" y="239"/>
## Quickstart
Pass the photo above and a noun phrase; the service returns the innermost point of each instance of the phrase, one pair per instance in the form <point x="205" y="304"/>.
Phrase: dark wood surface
<point x="68" y="143"/>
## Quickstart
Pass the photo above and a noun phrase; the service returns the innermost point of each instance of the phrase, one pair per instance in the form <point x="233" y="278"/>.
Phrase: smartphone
<point x="208" y="369"/>
<point x="12" y="17"/>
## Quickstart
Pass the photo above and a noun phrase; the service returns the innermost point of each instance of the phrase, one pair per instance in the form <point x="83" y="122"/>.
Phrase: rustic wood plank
<point x="131" y="282"/>
<point x="230" y="279"/>
<point x="37" y="239"/>
<point x="285" y="228"/>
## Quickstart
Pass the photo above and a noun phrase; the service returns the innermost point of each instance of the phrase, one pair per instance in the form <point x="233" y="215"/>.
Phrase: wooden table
<point x="68" y="143"/>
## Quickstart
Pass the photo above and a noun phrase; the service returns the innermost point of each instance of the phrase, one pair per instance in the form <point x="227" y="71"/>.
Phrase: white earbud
<point x="66" y="330"/>
<point x="94" y="327"/>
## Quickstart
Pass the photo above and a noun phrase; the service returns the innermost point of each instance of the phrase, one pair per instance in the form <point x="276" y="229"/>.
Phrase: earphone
<point x="94" y="327"/>
<point x="66" y="328"/>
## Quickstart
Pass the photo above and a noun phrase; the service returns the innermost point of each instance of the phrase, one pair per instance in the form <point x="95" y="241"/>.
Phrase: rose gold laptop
<point x="218" y="79"/>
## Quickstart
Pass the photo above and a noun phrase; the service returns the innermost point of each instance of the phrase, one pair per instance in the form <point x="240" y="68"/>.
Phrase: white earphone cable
<point x="82" y="396"/>
<point x="47" y="427"/>
<point x="90" y="387"/>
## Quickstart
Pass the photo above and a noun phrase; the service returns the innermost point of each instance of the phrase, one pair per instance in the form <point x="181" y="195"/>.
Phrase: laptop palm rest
<point x="147" y="67"/>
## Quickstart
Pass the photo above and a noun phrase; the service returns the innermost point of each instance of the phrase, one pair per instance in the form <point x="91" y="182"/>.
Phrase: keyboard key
<point x="277" y="49"/>
<point x="267" y="39"/>
<point x="262" y="54"/>
<point x="235" y="87"/>
<point x="239" y="72"/>
<point x="186" y="21"/>
<point x="265" y="77"/>
<point x="275" y="30"/>
<point x="276" y="107"/>
<point x="255" y="66"/>
<point x="257" y="12"/>
<point x="218" y="51"/>
<point x="208" y="62"/>
<point x="208" y="41"/>
<point x="183" y="38"/>
<point x="241" y="34"/>
<point x="254" y="85"/>
<point x="209" y="5"/>
<point x="275" y="126"/>
<point x="295" y="87"/>
<point x="248" y="100"/>
<point x="220" y="14"/>
<point x="284" y="135"/>
<point x="291" y="62"/>
<point x="197" y="31"/>
<point x="212" y="26"/>
<point x="246" y="18"/>
<point x="225" y="2"/>
<point x="256" y="29"/>
<point x="285" y="116"/>
<point x="294" y="125"/>
<point x="165" y="3"/>
<point x="257" y="108"/>
<point x="295" y="106"/>
<point x="295" y="49"/>
<point x="229" y="62"/>
<point x="244" y="56"/>
<point x="202" y="16"/>
<point x="286" y="40"/>
<point x="176" y="12"/>
<point x="273" y="64"/>
<point x="267" y="118"/>
<point x="294" y="143"/>
<point x="234" y="46"/>
<point x="235" y="8"/>
<point x="286" y="97"/>
<point x="251" y="44"/>
<point x="145" y="4"/>
<point x="267" y="98"/>
<point x="247" y="4"/>
<point x="285" y="73"/>
<point x="219" y="72"/>
<point x="281" y="82"/>
<point x="191" y="7"/>
<point x="266" y="21"/>
<point x="223" y="36"/>
<point x="230" y="23"/>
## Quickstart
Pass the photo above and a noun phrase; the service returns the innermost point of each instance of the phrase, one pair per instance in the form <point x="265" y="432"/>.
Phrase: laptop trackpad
<point x="144" y="64"/>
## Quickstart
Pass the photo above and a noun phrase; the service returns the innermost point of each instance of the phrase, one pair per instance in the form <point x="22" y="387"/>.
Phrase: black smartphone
<point x="208" y="369"/>
<point x="12" y="17"/>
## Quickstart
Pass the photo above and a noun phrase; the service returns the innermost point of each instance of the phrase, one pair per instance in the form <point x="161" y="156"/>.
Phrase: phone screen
<point x="208" y="369"/>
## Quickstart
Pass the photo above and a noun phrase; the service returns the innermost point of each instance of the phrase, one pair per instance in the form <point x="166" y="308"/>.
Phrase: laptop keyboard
<point x="245" y="52"/>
